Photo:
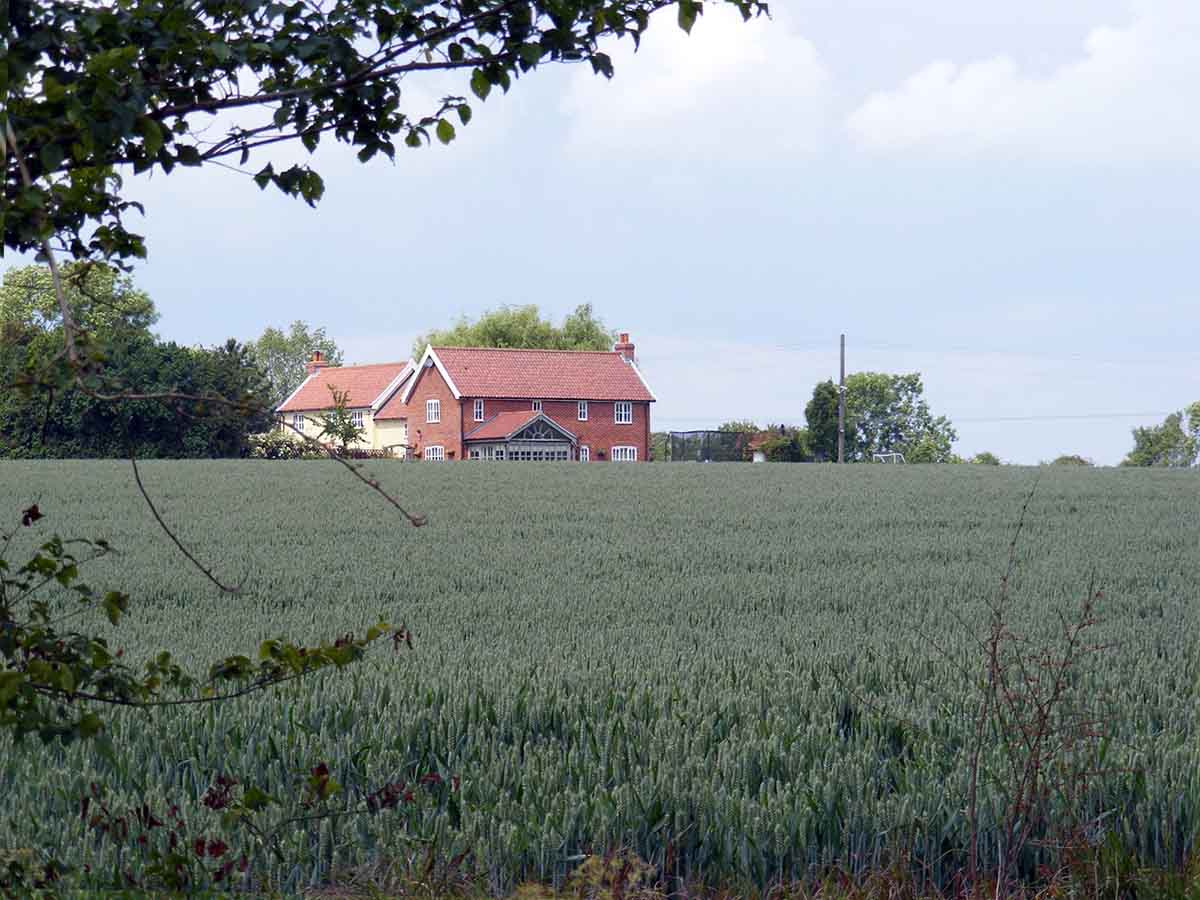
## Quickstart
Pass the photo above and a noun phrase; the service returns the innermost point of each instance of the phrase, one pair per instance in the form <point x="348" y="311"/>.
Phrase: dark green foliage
<point x="94" y="86"/>
<point x="738" y="425"/>
<point x="821" y="413"/>
<point x="60" y="420"/>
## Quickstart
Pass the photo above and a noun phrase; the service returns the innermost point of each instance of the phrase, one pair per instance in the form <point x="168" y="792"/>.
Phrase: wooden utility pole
<point x="842" y="406"/>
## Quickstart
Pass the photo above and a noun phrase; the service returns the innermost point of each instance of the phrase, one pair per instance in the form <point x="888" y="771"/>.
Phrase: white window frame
<point x="298" y="421"/>
<point x="474" y="453"/>
<point x="537" y="405"/>
<point x="623" y="412"/>
<point x="623" y="454"/>
<point x="436" y="453"/>
<point x="499" y="454"/>
<point x="356" y="418"/>
<point x="583" y="411"/>
<point x="433" y="411"/>
<point x="585" y="454"/>
<point x="478" y="410"/>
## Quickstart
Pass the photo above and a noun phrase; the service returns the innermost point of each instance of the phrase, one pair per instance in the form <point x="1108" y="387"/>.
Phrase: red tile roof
<point x="395" y="408"/>
<point x="542" y="374"/>
<point x="501" y="425"/>
<point x="363" y="383"/>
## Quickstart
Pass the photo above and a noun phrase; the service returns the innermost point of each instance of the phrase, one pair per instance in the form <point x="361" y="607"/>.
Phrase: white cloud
<point x="1128" y="97"/>
<point x="730" y="90"/>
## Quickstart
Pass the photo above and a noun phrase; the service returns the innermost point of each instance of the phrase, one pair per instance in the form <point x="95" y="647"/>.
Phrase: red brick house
<point x="482" y="403"/>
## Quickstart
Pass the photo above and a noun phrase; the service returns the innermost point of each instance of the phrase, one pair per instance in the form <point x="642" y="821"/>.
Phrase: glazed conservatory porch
<point x="521" y="437"/>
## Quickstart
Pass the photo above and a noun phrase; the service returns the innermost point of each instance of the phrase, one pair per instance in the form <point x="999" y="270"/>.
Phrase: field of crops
<point x="696" y="662"/>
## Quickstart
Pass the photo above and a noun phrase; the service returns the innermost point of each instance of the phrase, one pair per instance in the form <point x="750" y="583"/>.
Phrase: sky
<point x="1004" y="197"/>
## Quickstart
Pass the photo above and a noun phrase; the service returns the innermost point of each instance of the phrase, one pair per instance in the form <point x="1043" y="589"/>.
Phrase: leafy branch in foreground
<point x="52" y="678"/>
<point x="94" y="87"/>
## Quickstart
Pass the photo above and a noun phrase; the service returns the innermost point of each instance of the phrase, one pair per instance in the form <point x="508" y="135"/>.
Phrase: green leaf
<point x="51" y="156"/>
<point x="90" y="725"/>
<point x="52" y="89"/>
<point x="530" y="54"/>
<point x="688" y="11"/>
<point x="445" y="131"/>
<point x="263" y="178"/>
<point x="188" y="155"/>
<point x="256" y="798"/>
<point x="464" y="114"/>
<point x="114" y="604"/>
<point x="481" y="86"/>
<point x="152" y="135"/>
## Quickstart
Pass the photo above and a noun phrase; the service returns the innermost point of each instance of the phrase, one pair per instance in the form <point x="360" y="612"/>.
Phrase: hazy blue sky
<point x="1002" y="196"/>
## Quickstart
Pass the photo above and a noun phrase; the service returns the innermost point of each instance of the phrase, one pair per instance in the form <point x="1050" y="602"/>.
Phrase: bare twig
<point x="203" y="569"/>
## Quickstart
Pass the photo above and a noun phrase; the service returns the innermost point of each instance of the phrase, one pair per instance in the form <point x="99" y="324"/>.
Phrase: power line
<point x="1065" y="418"/>
<point x="954" y="420"/>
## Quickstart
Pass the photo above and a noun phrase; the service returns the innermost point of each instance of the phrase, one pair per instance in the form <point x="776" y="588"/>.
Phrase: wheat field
<point x="742" y="673"/>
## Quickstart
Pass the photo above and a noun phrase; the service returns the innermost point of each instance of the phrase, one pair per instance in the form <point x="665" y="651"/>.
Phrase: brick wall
<point x="599" y="432"/>
<point x="448" y="432"/>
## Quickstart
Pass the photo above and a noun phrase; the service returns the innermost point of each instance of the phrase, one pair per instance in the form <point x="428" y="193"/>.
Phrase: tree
<point x="738" y="425"/>
<point x="282" y="357"/>
<point x="71" y="422"/>
<point x="821" y="413"/>
<point x="523" y="327"/>
<point x="884" y="414"/>
<point x="1170" y="444"/>
<point x="985" y="459"/>
<point x="99" y="297"/>
<point x="95" y="86"/>
<point x="338" y="423"/>
<point x="1071" y="459"/>
<point x="786" y="444"/>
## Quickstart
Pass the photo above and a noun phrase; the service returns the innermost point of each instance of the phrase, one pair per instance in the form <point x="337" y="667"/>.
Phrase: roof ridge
<point x="402" y="364"/>
<point x="528" y="350"/>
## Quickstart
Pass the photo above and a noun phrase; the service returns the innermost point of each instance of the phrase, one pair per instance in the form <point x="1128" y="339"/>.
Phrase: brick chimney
<point x="317" y="362"/>
<point x="624" y="347"/>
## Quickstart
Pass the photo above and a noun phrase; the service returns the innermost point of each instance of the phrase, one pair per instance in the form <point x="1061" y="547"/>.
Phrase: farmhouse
<point x="492" y="404"/>
<point x="368" y="389"/>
